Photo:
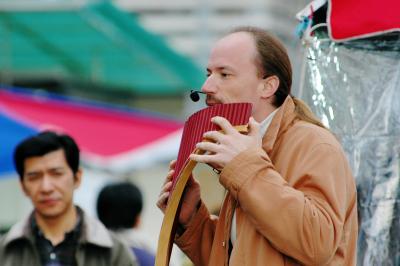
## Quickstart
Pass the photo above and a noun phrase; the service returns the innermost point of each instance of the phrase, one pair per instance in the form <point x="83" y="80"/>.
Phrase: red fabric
<point x="97" y="130"/>
<point x="351" y="19"/>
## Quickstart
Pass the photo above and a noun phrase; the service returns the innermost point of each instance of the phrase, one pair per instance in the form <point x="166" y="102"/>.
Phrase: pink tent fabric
<point x="106" y="134"/>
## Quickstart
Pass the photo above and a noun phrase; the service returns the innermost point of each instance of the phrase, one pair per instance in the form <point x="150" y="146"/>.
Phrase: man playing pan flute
<point x="291" y="197"/>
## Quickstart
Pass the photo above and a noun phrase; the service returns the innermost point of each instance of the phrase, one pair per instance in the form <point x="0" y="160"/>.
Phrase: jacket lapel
<point x="280" y="123"/>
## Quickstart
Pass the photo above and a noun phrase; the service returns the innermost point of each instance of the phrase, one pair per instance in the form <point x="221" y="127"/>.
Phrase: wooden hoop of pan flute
<point x="238" y="115"/>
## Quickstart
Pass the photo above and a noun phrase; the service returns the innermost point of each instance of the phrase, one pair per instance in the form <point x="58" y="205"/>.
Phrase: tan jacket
<point x="295" y="202"/>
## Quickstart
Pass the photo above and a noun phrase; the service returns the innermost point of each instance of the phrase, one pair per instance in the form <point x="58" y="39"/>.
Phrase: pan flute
<point x="238" y="115"/>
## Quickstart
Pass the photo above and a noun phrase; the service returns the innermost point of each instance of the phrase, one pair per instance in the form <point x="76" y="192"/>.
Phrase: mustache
<point x="211" y="99"/>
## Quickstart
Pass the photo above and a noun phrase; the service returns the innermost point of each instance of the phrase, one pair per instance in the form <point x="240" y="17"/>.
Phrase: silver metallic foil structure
<point x="354" y="87"/>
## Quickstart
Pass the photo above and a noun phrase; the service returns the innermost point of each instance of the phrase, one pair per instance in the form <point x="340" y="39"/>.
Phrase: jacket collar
<point x="21" y="230"/>
<point x="281" y="122"/>
<point x="93" y="232"/>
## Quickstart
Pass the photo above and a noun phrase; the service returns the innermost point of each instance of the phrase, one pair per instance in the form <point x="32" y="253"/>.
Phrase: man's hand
<point x="225" y="146"/>
<point x="190" y="198"/>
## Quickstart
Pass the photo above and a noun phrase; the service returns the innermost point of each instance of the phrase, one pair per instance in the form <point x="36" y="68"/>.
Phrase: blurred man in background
<point x="119" y="207"/>
<point x="56" y="233"/>
<point x="291" y="195"/>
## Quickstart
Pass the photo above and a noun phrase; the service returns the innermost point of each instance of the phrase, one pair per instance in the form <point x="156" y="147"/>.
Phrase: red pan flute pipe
<point x="238" y="115"/>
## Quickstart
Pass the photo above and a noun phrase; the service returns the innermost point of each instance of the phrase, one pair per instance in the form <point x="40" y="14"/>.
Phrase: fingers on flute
<point x="224" y="124"/>
<point x="172" y="164"/>
<point x="166" y="187"/>
<point x="168" y="178"/>
<point x="214" y="136"/>
<point x="203" y="158"/>
<point x="254" y="127"/>
<point x="207" y="146"/>
<point x="162" y="201"/>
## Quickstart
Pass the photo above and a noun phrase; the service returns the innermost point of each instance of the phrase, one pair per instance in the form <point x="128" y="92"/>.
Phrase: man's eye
<point x="224" y="75"/>
<point x="33" y="177"/>
<point x="57" y="173"/>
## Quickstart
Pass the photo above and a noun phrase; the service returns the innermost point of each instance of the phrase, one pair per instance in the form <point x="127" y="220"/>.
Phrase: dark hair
<point x="273" y="60"/>
<point x="42" y="144"/>
<point x="119" y="205"/>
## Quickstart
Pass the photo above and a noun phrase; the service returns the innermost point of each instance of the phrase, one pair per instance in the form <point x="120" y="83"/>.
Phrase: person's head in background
<point x="48" y="168"/>
<point x="119" y="205"/>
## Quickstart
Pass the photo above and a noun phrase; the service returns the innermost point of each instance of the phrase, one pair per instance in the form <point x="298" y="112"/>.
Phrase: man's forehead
<point x="233" y="49"/>
<point x="54" y="159"/>
<point x="236" y="41"/>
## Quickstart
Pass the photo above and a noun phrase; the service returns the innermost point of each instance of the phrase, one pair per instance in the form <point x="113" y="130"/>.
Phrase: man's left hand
<point x="225" y="146"/>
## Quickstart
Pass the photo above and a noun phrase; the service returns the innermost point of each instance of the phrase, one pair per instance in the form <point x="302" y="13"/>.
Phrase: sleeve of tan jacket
<point x="303" y="219"/>
<point x="198" y="246"/>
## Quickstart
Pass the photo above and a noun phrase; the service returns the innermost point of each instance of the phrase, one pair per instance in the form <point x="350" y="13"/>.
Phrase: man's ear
<point x="78" y="178"/>
<point x="271" y="84"/>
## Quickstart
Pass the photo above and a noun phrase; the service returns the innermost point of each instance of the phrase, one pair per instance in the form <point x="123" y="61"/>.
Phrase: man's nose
<point x="208" y="85"/>
<point x="46" y="184"/>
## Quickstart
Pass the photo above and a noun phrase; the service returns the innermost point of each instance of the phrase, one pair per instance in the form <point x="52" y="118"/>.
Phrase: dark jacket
<point x="97" y="246"/>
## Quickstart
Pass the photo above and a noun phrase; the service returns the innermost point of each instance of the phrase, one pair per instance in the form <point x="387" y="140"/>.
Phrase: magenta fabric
<point x="98" y="130"/>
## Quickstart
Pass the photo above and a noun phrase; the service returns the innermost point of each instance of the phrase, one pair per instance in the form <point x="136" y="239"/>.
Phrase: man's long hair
<point x="273" y="60"/>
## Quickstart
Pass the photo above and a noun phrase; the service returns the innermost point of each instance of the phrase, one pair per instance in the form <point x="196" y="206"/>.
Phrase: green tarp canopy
<point x="95" y="44"/>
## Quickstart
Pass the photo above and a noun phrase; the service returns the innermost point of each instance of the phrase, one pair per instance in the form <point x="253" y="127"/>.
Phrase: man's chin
<point x="50" y="213"/>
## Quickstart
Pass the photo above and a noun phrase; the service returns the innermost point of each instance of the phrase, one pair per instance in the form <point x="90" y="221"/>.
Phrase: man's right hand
<point x="190" y="198"/>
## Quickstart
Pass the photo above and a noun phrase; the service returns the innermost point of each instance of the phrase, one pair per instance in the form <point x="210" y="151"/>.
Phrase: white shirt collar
<point x="266" y="122"/>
